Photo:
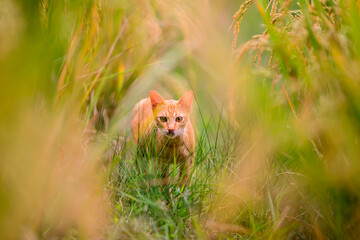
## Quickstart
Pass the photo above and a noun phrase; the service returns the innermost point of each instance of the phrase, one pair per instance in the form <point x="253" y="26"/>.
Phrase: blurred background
<point x="276" y="112"/>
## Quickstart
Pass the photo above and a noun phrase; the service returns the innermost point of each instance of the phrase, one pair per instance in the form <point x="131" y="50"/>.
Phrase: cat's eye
<point x="179" y="119"/>
<point x="163" y="119"/>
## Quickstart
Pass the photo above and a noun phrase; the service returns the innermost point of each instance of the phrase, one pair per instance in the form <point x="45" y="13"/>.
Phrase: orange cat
<point x="175" y="136"/>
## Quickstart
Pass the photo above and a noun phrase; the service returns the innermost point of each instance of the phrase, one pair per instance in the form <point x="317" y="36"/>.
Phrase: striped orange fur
<point x="175" y="136"/>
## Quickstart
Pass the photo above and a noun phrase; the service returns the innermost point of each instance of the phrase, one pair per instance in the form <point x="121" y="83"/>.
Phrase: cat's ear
<point x="155" y="99"/>
<point x="186" y="100"/>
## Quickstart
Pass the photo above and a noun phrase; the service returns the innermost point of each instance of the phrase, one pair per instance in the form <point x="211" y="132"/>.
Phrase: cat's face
<point x="171" y="116"/>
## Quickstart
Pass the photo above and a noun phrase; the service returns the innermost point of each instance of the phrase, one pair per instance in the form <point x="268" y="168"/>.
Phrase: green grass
<point x="170" y="211"/>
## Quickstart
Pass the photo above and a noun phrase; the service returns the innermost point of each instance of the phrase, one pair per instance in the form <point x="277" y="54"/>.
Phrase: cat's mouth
<point x="171" y="134"/>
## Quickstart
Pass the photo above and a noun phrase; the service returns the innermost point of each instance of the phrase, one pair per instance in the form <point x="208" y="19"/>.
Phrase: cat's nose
<point x="171" y="131"/>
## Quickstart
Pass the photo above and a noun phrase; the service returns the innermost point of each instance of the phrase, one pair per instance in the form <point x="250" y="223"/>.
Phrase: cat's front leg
<point x="185" y="171"/>
<point x="165" y="177"/>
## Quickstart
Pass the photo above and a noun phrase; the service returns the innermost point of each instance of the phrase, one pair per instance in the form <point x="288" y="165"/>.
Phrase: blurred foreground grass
<point x="277" y="118"/>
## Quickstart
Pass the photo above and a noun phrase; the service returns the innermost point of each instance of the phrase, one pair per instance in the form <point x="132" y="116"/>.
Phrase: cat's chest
<point x="171" y="151"/>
